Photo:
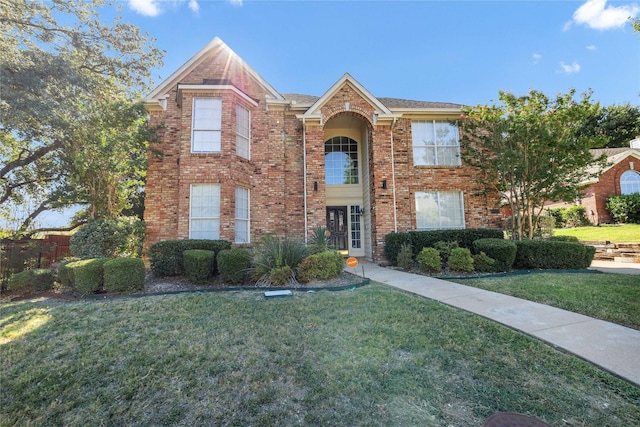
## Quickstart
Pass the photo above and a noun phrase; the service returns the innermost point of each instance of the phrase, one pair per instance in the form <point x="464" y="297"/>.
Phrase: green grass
<point x="617" y="233"/>
<point x="373" y="356"/>
<point x="611" y="297"/>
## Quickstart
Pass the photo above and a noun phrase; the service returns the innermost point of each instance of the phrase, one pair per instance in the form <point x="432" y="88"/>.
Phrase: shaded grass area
<point x="617" y="233"/>
<point x="373" y="356"/>
<point x="611" y="297"/>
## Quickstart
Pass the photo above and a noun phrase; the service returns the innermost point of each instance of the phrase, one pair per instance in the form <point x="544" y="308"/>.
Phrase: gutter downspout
<point x="393" y="180"/>
<point x="304" y="178"/>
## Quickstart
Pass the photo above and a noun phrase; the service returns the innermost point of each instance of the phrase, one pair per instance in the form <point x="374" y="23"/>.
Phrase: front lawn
<point x="617" y="233"/>
<point x="371" y="356"/>
<point x="612" y="297"/>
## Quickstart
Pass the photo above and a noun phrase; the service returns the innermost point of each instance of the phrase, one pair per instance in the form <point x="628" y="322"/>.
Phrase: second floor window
<point x="435" y="143"/>
<point x="341" y="161"/>
<point x="243" y="132"/>
<point x="206" y="125"/>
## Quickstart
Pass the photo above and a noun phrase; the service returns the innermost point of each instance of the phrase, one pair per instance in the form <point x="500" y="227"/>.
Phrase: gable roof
<point x="211" y="49"/>
<point x="347" y="79"/>
<point x="614" y="156"/>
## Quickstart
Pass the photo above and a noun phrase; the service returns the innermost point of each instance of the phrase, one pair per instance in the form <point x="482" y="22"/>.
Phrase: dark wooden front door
<point x="338" y="227"/>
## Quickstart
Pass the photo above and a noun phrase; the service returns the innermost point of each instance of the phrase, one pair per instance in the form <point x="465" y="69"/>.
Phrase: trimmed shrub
<point x="556" y="214"/>
<point x="575" y="216"/>
<point x="501" y="250"/>
<point x="465" y="237"/>
<point x="624" y="208"/>
<point x="405" y="257"/>
<point x="280" y="276"/>
<point x="89" y="275"/>
<point x="124" y="275"/>
<point x="445" y="249"/>
<point x="392" y="244"/>
<point x="589" y="254"/>
<point x="483" y="263"/>
<point x="550" y="254"/>
<point x="36" y="280"/>
<point x="234" y="264"/>
<point x="321" y="266"/>
<point x="429" y="260"/>
<point x="65" y="274"/>
<point x="460" y="260"/>
<point x="199" y="264"/>
<point x="109" y="238"/>
<point x="166" y="257"/>
<point x="564" y="238"/>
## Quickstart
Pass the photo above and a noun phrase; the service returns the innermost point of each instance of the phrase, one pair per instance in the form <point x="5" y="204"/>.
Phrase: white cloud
<point x="145" y="7"/>
<point x="592" y="47"/>
<point x="536" y="57"/>
<point x="236" y="2"/>
<point x="595" y="14"/>
<point x="153" y="7"/>
<point x="569" y="69"/>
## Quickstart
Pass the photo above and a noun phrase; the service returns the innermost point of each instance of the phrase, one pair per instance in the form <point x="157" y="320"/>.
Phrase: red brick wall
<point x="595" y="197"/>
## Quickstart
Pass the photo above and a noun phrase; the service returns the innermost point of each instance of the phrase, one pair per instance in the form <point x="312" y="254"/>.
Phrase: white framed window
<point x="630" y="182"/>
<point x="242" y="215"/>
<point x="439" y="210"/>
<point x="206" y="125"/>
<point x="435" y="143"/>
<point x="204" y="211"/>
<point x="243" y="132"/>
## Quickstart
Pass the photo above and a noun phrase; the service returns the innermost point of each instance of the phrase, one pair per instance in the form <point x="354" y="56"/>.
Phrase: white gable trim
<point x="314" y="110"/>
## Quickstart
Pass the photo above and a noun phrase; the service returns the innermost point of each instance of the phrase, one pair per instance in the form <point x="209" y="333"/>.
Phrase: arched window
<point x="630" y="182"/>
<point x="341" y="161"/>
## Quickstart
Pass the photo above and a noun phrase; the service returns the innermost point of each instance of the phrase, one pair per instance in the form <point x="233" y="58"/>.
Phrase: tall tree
<point x="613" y="126"/>
<point x="531" y="149"/>
<point x="59" y="57"/>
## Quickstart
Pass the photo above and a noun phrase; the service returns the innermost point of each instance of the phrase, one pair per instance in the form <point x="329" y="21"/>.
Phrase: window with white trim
<point x="206" y="125"/>
<point x="439" y="210"/>
<point x="204" y="212"/>
<point x="630" y="182"/>
<point x="435" y="143"/>
<point x="243" y="132"/>
<point x="242" y="215"/>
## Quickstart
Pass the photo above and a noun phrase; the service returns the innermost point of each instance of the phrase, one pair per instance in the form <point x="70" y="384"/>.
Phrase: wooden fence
<point x="19" y="255"/>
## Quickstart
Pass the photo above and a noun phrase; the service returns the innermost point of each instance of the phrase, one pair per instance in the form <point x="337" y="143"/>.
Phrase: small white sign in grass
<point x="277" y="294"/>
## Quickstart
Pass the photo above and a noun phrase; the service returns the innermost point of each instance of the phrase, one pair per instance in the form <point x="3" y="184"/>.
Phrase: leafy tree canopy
<point x="59" y="59"/>
<point x="531" y="149"/>
<point x="613" y="126"/>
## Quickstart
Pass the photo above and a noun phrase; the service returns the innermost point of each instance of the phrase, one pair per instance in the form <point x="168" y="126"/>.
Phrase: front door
<point x="337" y="226"/>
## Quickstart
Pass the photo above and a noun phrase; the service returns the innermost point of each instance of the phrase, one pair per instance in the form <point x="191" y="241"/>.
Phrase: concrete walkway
<point x="612" y="347"/>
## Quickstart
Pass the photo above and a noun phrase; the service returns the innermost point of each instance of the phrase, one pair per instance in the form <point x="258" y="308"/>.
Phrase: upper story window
<point x="206" y="125"/>
<point x="243" y="132"/>
<point x="435" y="143"/>
<point x="341" y="161"/>
<point x="630" y="182"/>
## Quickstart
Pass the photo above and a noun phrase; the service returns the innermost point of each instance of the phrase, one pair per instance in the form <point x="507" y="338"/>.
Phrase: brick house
<point x="240" y="160"/>
<point x="621" y="176"/>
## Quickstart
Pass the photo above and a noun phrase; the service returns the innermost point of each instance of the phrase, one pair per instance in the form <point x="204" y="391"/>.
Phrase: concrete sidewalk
<point x="612" y="347"/>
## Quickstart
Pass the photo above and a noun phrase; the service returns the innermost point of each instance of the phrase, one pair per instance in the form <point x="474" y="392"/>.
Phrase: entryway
<point x="338" y="227"/>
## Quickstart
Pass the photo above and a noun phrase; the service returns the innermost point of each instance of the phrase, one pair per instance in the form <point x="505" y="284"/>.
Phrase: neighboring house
<point x="621" y="176"/>
<point x="242" y="160"/>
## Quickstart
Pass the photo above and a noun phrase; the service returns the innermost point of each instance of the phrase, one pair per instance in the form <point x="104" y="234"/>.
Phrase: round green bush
<point x="320" y="266"/>
<point x="166" y="257"/>
<point x="89" y="275"/>
<point x="199" y="264"/>
<point x="124" y="275"/>
<point x="280" y="276"/>
<point x="483" y="263"/>
<point x="460" y="260"/>
<point x="109" y="238"/>
<point x="501" y="250"/>
<point x="65" y="274"/>
<point x="36" y="280"/>
<point x="234" y="264"/>
<point x="429" y="260"/>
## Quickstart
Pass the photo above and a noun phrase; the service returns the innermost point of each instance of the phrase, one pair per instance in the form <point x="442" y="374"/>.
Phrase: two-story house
<point x="240" y="160"/>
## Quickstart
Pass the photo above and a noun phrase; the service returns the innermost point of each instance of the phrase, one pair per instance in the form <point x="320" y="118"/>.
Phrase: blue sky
<point x="449" y="51"/>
